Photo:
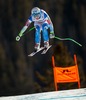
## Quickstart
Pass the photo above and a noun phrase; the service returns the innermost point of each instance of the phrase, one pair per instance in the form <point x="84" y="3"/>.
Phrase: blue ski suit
<point x="42" y="24"/>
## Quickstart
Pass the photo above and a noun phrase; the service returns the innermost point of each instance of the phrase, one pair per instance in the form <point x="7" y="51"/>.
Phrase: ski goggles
<point x="36" y="14"/>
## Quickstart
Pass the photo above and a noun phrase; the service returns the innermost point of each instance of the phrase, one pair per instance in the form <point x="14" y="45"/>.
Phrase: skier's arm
<point x="49" y="22"/>
<point x="52" y="35"/>
<point x="51" y="25"/>
<point x="24" y="29"/>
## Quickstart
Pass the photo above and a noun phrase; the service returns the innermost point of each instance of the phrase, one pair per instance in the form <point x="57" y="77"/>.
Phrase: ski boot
<point x="46" y="44"/>
<point x="37" y="47"/>
<point x="46" y="47"/>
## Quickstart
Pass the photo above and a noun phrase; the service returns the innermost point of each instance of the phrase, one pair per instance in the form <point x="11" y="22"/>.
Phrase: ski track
<point x="74" y="94"/>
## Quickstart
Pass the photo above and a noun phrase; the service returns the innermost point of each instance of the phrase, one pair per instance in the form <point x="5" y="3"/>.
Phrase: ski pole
<point x="31" y="29"/>
<point x="68" y="39"/>
<point x="62" y="39"/>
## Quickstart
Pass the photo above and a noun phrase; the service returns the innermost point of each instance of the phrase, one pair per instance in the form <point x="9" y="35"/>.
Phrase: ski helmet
<point x="36" y="12"/>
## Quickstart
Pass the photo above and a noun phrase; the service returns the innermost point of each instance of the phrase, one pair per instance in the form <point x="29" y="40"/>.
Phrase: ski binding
<point x="45" y="50"/>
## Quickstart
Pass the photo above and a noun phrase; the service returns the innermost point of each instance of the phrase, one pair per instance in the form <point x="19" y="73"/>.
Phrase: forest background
<point x="20" y="74"/>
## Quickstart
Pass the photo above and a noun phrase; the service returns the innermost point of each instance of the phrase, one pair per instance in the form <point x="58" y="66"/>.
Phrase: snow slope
<point x="75" y="94"/>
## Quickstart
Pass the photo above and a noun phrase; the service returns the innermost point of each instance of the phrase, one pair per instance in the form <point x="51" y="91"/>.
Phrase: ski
<point x="33" y="53"/>
<point x="45" y="50"/>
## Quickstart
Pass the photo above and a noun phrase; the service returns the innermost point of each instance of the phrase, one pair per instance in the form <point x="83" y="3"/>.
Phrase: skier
<point x="42" y="22"/>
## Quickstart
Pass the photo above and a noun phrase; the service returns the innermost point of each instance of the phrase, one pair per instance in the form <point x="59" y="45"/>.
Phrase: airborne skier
<point x="42" y="22"/>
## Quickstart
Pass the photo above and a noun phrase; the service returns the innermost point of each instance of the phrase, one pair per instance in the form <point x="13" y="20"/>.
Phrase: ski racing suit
<point x="41" y="24"/>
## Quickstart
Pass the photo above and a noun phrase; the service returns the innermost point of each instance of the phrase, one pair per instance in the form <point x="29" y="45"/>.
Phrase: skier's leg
<point x="45" y="35"/>
<point x="37" y="37"/>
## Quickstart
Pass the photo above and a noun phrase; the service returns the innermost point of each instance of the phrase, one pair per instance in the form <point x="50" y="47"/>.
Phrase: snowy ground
<point x="76" y="94"/>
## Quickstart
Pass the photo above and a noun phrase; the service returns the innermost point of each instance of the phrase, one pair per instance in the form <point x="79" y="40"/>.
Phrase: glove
<point x="17" y="38"/>
<point x="52" y="35"/>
